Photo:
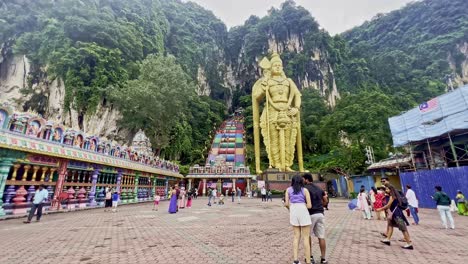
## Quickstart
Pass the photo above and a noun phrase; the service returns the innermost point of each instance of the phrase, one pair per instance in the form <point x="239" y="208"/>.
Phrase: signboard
<point x="211" y="185"/>
<point x="227" y="184"/>
<point x="260" y="184"/>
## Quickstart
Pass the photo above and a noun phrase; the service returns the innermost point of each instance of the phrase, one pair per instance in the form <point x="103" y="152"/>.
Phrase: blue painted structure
<point x="367" y="181"/>
<point x="343" y="190"/>
<point x="423" y="182"/>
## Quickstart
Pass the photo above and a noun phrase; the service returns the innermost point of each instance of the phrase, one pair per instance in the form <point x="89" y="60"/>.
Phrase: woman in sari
<point x="461" y="203"/>
<point x="173" y="201"/>
<point x="395" y="217"/>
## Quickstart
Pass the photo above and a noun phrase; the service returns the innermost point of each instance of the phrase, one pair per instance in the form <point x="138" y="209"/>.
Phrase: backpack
<point x="403" y="204"/>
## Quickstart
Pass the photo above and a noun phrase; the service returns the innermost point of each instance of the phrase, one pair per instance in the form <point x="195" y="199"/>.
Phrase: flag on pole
<point x="429" y="105"/>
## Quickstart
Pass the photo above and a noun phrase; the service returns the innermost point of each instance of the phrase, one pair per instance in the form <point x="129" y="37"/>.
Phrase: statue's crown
<point x="275" y="57"/>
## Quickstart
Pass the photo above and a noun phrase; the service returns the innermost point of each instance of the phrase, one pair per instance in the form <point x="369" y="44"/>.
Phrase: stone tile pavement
<point x="250" y="232"/>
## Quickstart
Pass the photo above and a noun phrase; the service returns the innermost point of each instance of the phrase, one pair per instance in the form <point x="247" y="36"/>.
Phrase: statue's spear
<point x="266" y="66"/>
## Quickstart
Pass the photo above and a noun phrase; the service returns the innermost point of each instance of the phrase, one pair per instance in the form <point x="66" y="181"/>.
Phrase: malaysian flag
<point x="429" y="105"/>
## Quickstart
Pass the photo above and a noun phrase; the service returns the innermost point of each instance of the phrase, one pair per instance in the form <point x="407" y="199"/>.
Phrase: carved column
<point x="92" y="194"/>
<point x="154" y="186"/>
<point x="119" y="180"/>
<point x="25" y="174"/>
<point x="135" y="190"/>
<point x="248" y="185"/>
<point x="62" y="173"/>
<point x="166" y="188"/>
<point x="44" y="170"/>
<point x="190" y="184"/>
<point x="15" y="171"/>
<point x="35" y="169"/>
<point x="5" y="165"/>
<point x="51" y="175"/>
<point x="234" y="183"/>
<point x="204" y="187"/>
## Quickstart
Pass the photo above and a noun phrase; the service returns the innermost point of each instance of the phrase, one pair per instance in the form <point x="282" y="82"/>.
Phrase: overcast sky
<point x="335" y="16"/>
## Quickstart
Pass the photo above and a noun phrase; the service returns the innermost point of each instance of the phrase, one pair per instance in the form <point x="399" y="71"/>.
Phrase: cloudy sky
<point x="335" y="16"/>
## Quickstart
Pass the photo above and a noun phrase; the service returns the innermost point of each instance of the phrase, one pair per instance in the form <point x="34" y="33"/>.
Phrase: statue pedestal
<point x="280" y="180"/>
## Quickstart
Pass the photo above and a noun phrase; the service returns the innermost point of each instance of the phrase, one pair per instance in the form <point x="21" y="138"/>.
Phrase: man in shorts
<point x="318" y="199"/>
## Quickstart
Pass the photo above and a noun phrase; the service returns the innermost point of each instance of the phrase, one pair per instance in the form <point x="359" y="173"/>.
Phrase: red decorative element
<point x="62" y="173"/>
<point x="82" y="195"/>
<point x="19" y="196"/>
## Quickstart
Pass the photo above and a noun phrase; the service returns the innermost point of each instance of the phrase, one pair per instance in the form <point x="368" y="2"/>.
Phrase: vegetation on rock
<point x="144" y="56"/>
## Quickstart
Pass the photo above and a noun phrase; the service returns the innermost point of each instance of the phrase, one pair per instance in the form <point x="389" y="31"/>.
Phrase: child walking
<point x="157" y="198"/>
<point x="115" y="201"/>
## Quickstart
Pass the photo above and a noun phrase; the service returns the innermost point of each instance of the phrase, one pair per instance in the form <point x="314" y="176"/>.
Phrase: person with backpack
<point x="395" y="217"/>
<point x="443" y="206"/>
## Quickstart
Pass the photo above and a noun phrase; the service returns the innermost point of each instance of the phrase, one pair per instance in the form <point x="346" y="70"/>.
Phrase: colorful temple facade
<point x="74" y="166"/>
<point x="225" y="165"/>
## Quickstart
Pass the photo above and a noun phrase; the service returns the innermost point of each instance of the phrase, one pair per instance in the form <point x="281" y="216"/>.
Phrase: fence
<point x="423" y="182"/>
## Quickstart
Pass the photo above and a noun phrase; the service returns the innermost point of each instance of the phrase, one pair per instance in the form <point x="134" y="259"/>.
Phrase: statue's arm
<point x="295" y="95"/>
<point x="258" y="91"/>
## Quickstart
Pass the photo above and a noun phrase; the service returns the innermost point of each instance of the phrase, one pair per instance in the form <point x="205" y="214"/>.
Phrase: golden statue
<point x="280" y="121"/>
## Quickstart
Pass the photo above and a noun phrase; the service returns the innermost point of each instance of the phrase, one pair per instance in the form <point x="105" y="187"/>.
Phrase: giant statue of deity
<point x="280" y="120"/>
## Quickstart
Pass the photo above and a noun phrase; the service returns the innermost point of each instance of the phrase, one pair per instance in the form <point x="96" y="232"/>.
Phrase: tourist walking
<point x="263" y="193"/>
<point x="443" y="206"/>
<point x="108" y="196"/>
<point x="379" y="203"/>
<point x="115" y="201"/>
<point x="396" y="217"/>
<point x="189" y="200"/>
<point x="364" y="204"/>
<point x="239" y="194"/>
<point x="297" y="200"/>
<point x="173" y="201"/>
<point x="461" y="203"/>
<point x="182" y="198"/>
<point x="269" y="196"/>
<point x="413" y="204"/>
<point x="210" y="196"/>
<point x="40" y="196"/>
<point x="233" y="194"/>
<point x="157" y="198"/>
<point x="317" y="228"/>
<point x="214" y="194"/>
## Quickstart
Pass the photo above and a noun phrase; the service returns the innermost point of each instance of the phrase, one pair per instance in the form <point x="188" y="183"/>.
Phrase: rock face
<point x="46" y="97"/>
<point x="460" y="67"/>
<point x="317" y="74"/>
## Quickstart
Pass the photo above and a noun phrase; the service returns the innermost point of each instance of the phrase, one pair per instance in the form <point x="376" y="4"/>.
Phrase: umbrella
<point x="352" y="204"/>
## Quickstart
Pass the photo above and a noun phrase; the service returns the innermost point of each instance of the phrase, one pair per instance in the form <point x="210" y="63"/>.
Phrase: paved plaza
<point x="250" y="232"/>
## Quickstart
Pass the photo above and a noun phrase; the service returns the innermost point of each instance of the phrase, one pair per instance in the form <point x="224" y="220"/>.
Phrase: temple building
<point x="74" y="166"/>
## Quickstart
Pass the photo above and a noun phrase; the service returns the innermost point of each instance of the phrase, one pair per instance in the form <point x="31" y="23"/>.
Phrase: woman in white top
<point x="297" y="200"/>
<point x="363" y="204"/>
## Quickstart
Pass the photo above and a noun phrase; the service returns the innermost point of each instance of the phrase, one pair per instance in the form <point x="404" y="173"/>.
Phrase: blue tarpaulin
<point x="433" y="118"/>
<point x="423" y="183"/>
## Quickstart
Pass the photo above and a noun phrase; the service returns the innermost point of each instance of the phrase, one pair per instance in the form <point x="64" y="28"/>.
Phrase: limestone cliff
<point x="317" y="74"/>
<point x="460" y="66"/>
<point x="46" y="97"/>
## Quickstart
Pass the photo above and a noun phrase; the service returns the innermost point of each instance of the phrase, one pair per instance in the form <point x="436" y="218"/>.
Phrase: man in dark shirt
<point x="318" y="198"/>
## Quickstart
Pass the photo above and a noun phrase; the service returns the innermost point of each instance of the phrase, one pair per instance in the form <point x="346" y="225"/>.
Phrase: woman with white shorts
<point x="297" y="200"/>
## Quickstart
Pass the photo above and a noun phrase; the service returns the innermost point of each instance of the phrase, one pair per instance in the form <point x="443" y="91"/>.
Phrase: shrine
<point x="35" y="151"/>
